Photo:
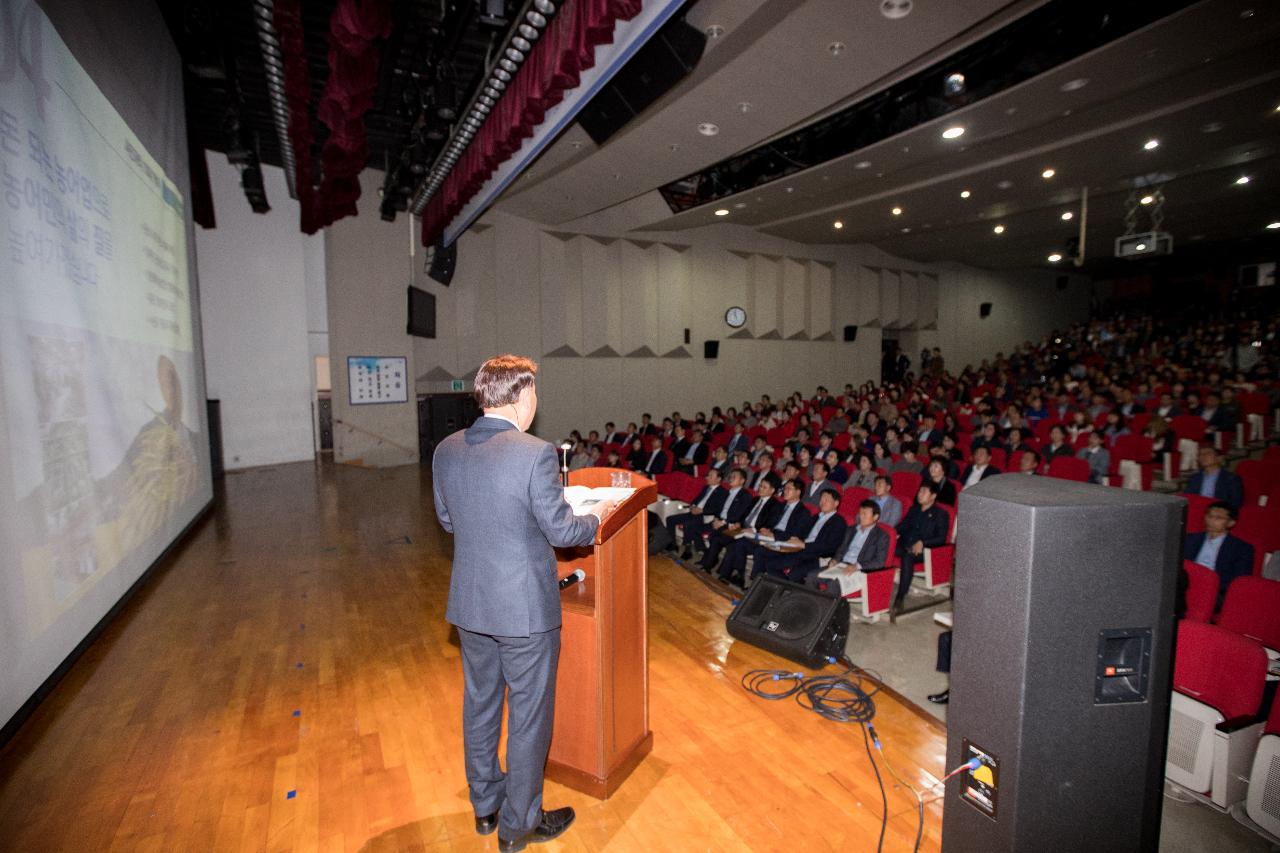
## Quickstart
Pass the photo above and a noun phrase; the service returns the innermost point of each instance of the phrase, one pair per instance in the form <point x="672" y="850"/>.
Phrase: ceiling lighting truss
<point x="273" y="68"/>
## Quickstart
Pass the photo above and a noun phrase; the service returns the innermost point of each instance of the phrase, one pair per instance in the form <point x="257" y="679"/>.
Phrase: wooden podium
<point x="602" y="686"/>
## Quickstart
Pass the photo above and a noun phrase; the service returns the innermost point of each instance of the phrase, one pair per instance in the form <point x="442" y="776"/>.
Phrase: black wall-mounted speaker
<point x="1061" y="666"/>
<point x="686" y="336"/>
<point x="443" y="262"/>
<point x="1062" y="282"/>
<point x="710" y="349"/>
<point x="664" y="61"/>
<point x="984" y="310"/>
<point x="794" y="621"/>
<point x="850" y="333"/>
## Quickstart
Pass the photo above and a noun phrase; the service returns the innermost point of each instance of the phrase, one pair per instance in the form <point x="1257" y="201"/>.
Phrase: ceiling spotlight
<point x="1054" y="258"/>
<point x="835" y="48"/>
<point x="1047" y="174"/>
<point x="999" y="229"/>
<point x="837" y="225"/>
<point x="724" y="211"/>
<point x="714" y="31"/>
<point x="1005" y="184"/>
<point x="1273" y="226"/>
<point x="953" y="132"/>
<point x="791" y="189"/>
<point x="906" y="229"/>
<point x="895" y="9"/>
<point x="1146" y="199"/>
<point x="1141" y="247"/>
<point x="1067" y="216"/>
<point x="965" y="193"/>
<point x="1074" y="85"/>
<point x="897" y="211"/>
<point x="1242" y="180"/>
<point x="708" y="129"/>
<point x="1152" y="144"/>
<point x="953" y="84"/>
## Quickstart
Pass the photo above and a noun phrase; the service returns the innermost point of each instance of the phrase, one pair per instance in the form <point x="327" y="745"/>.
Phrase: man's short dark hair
<point x="825" y="469"/>
<point x="767" y="455"/>
<point x="773" y="480"/>
<point x="910" y="447"/>
<point x="884" y="477"/>
<point x="1231" y="510"/>
<point x="930" y="485"/>
<point x="792" y="464"/>
<point x="500" y="380"/>
<point x="871" y="505"/>
<point x="715" y="471"/>
<point x="741" y="473"/>
<point x="835" y="494"/>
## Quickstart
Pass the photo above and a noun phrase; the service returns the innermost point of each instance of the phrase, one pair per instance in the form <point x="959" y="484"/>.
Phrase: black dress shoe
<point x="553" y="825"/>
<point x="940" y="698"/>
<point x="487" y="824"/>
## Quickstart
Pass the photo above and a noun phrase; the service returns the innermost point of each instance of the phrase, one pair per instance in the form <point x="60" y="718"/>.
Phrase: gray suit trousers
<point x="526" y="668"/>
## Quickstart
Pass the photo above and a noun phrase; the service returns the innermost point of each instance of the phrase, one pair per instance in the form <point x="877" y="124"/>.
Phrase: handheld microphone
<point x="578" y="576"/>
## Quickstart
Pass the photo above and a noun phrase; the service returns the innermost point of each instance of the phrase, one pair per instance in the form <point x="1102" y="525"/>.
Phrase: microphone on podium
<point x="564" y="463"/>
<point x="578" y="576"/>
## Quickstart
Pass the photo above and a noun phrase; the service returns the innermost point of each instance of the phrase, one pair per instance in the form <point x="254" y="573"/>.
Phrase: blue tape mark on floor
<point x="299" y="664"/>
<point x="297" y="713"/>
<point x="291" y="795"/>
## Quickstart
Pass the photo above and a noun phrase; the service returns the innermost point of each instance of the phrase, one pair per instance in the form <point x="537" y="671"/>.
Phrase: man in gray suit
<point x="497" y="490"/>
<point x="865" y="548"/>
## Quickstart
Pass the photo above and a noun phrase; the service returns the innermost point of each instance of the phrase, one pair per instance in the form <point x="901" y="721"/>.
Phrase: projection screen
<point x="103" y="456"/>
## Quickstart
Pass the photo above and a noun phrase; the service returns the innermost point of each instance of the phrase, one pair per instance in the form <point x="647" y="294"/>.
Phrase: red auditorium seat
<point x="1196" y="505"/>
<point x="1138" y="423"/>
<point x="849" y="501"/>
<point x="934" y="571"/>
<point x="904" y="486"/>
<point x="1202" y="591"/>
<point x="1218" y="679"/>
<point x="873" y="600"/>
<point x="999" y="458"/>
<point x="1260" y="527"/>
<point x="1190" y="427"/>
<point x="1069" y="468"/>
<point x="1252" y="609"/>
<point x="1261" y="480"/>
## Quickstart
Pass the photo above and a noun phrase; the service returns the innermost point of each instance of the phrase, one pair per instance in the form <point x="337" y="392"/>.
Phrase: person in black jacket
<point x="761" y="512"/>
<point x="792" y="522"/>
<point x="709" y="502"/>
<point x="937" y="473"/>
<point x="821" y="541"/>
<point x="925" y="526"/>
<point x="655" y="460"/>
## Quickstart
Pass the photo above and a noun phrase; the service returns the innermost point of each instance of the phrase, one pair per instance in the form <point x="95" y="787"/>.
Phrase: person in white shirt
<point x="865" y="548"/>
<point x="980" y="469"/>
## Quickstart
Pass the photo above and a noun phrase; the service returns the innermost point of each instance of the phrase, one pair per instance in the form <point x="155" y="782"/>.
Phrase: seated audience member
<point x="763" y="468"/>
<point x="881" y="458"/>
<point x="801" y="442"/>
<point x="839" y="422"/>
<point x="821" y="541"/>
<point x="818" y="485"/>
<point x="647" y="426"/>
<point x="908" y="462"/>
<point x="1058" y="444"/>
<point x="1168" y="409"/>
<point x="1013" y="444"/>
<point x="784" y="458"/>
<point x="636" y="456"/>
<point x="944" y="490"/>
<point x="824" y="445"/>
<point x="1163" y="439"/>
<point x="1214" y="481"/>
<point x="1097" y="455"/>
<point x="679" y="443"/>
<point x="979" y="470"/>
<point x="1029" y="462"/>
<point x="612" y="435"/>
<point x="655" y="461"/>
<point x="1218" y="549"/>
<point x="835" y="472"/>
<point x="737" y="502"/>
<point x="758" y="448"/>
<point x="924" y="526"/>
<point x="929" y="432"/>
<point x="695" y="453"/>
<point x="739" y="440"/>
<point x="890" y="507"/>
<point x="791" y="471"/>
<point x="804" y="458"/>
<point x="864" y="548"/>
<point x="1128" y="406"/>
<point x="1115" y="426"/>
<point x="892" y="441"/>
<point x="792" y="522"/>
<point x="580" y="457"/>
<point x="1217" y="417"/>
<point x="708" y="503"/>
<point x="864" y="476"/>
<point x="613" y="459"/>
<point x="720" y="459"/>
<point x="593" y="439"/>
<point x="988" y="438"/>
<point x="762" y="511"/>
<point x="594" y="454"/>
<point x="740" y="459"/>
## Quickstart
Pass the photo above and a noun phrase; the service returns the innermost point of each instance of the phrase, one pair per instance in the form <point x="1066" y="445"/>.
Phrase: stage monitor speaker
<point x="850" y="333"/>
<point x="443" y="262"/>
<point x="794" y="621"/>
<point x="710" y="349"/>
<point x="664" y="61"/>
<point x="984" y="310"/>
<point x="1061" y="666"/>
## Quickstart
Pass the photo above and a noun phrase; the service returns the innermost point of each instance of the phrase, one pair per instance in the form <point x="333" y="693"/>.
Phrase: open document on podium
<point x="582" y="498"/>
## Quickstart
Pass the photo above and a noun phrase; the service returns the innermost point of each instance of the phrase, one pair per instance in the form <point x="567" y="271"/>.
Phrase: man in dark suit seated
<point x="720" y="460"/>
<point x="1214" y="481"/>
<point x="694" y="453"/>
<point x="760" y="512"/>
<point x="739" y="440"/>
<point x="813" y="491"/>
<point x="988" y="438"/>
<point x="925" y="526"/>
<point x="679" y="443"/>
<point x="763" y="467"/>
<point x="865" y="548"/>
<point x="1216" y="548"/>
<point x="612" y="435"/>
<point x="655" y="460"/>
<point x="792" y="522"/>
<point x="647" y="426"/>
<point x="821" y="541"/>
<point x="978" y="470"/>
<point x="733" y="509"/>
<point x="709" y="502"/>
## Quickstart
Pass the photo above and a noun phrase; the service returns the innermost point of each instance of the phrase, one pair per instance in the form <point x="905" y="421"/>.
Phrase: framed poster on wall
<point x="377" y="379"/>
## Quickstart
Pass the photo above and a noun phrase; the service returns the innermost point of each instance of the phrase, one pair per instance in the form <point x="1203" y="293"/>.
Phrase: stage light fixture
<point x="1242" y="180"/>
<point x="1054" y="258"/>
<point x="837" y="225"/>
<point x="724" y="211"/>
<point x="1048" y="173"/>
<point x="897" y="211"/>
<point x="1273" y="226"/>
<point x="1067" y="215"/>
<point x="708" y="129"/>
<point x="999" y="229"/>
<point x="965" y="194"/>
<point x="1152" y="144"/>
<point x="1146" y="199"/>
<point x="953" y="132"/>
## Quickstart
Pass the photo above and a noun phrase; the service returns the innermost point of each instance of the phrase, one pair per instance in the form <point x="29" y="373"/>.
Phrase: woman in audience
<point x="864" y="476"/>
<point x="937" y="474"/>
<point x="1057" y="445"/>
<point x="1116" y="426"/>
<point x="1163" y="438"/>
<point x="835" y="471"/>
<point x="880" y="456"/>
<point x="637" y="457"/>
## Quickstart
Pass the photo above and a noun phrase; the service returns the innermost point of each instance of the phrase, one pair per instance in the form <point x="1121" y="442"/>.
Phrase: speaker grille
<point x="1271" y="789"/>
<point x="796" y="616"/>
<point x="1185" y="732"/>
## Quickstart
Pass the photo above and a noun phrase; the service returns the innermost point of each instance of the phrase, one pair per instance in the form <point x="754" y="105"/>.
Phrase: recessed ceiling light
<point x="1152" y="144"/>
<point x="1005" y="184"/>
<point x="708" y="129"/>
<point x="791" y="189"/>
<point x="999" y="229"/>
<point x="897" y="211"/>
<point x="1074" y="85"/>
<point x="965" y="193"/>
<point x="835" y="48"/>
<point x="953" y="132"/>
<point x="1010" y="111"/>
<point x="1211" y="127"/>
<point x="1047" y="174"/>
<point x="1141" y="247"/>
<point x="837" y="225"/>
<point x="1273" y="226"/>
<point x="1243" y="179"/>
<point x="740" y="205"/>
<point x="1146" y="199"/>
<point x="906" y="230"/>
<point x="862" y="164"/>
<point x="714" y="31"/>
<point x="1054" y="258"/>
<point x="895" y="9"/>
<point x="724" y="211"/>
<point x="953" y="84"/>
<point x="1067" y="215"/>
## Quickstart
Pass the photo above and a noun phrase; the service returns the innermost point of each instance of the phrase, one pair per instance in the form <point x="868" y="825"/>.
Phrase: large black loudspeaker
<point x="850" y="333"/>
<point x="1061" y="666"/>
<point x="710" y="349"/>
<point x="664" y="61"/>
<point x="794" y="621"/>
<point x="443" y="262"/>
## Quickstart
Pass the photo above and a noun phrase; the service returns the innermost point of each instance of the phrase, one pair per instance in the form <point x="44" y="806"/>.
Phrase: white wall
<point x="263" y="313"/>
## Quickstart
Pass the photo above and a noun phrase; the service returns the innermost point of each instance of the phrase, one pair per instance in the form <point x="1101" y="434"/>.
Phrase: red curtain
<point x="565" y="49"/>
<point x="354" y="29"/>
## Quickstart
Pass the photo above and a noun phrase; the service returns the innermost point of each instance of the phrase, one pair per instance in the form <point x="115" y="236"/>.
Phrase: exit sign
<point x="459" y="385"/>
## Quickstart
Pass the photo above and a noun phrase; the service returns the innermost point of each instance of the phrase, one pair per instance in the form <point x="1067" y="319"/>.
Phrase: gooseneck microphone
<point x="564" y="463"/>
<point x="578" y="576"/>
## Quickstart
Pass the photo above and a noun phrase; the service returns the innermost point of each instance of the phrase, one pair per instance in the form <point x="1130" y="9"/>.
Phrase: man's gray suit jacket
<point x="875" y="551"/>
<point x="497" y="490"/>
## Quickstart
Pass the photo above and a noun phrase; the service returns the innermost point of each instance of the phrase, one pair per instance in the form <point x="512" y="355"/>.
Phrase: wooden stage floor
<point x="288" y="682"/>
